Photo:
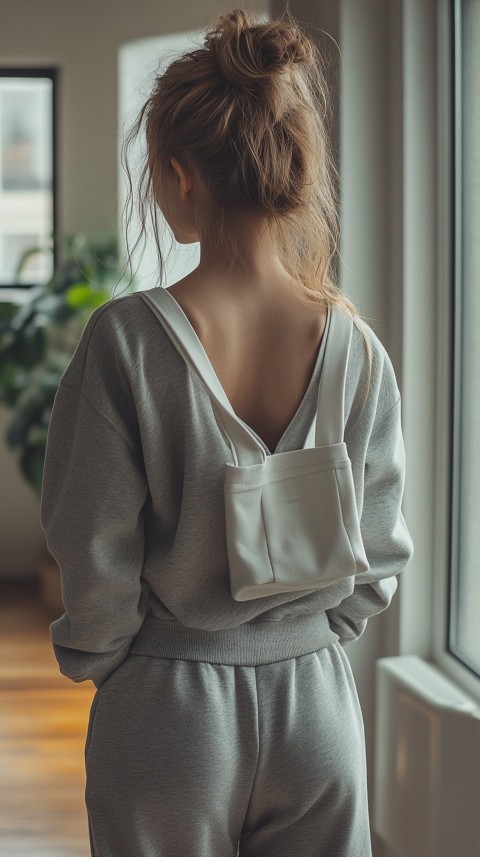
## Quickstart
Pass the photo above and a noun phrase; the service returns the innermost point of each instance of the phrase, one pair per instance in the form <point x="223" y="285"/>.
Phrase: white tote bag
<point x="291" y="517"/>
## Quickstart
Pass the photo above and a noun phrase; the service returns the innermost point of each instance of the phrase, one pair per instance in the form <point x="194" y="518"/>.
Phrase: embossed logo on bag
<point x="291" y="500"/>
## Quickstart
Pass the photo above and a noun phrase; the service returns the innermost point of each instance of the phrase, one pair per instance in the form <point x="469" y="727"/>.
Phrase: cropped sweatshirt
<point x="132" y="506"/>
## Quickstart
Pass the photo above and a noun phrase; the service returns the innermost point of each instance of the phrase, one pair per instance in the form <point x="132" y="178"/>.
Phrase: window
<point x="138" y="62"/>
<point x="464" y="585"/>
<point x="27" y="187"/>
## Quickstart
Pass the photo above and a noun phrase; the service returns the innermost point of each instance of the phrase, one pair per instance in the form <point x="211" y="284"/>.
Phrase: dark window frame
<point x="52" y="73"/>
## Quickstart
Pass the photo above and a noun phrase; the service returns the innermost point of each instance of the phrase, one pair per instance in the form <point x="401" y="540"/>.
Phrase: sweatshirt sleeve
<point x="93" y="492"/>
<point x="386" y="539"/>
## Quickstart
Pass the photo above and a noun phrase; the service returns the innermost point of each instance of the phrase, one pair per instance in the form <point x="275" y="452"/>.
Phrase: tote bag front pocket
<point x="292" y="523"/>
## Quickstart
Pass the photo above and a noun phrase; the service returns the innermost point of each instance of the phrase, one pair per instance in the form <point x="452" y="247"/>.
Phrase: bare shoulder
<point x="208" y="300"/>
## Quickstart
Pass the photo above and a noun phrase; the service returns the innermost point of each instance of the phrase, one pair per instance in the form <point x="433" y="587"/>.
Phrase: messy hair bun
<point x="247" y="53"/>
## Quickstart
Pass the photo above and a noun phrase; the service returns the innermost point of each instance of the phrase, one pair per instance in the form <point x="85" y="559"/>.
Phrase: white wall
<point x="138" y="61"/>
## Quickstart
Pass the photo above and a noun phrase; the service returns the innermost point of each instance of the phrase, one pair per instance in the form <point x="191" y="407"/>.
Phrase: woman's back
<point x="262" y="342"/>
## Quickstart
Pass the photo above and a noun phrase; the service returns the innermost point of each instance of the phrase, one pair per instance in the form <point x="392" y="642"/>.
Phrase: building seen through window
<point x="26" y="176"/>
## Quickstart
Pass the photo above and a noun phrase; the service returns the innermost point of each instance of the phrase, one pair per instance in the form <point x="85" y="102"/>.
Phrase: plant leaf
<point x="82" y="295"/>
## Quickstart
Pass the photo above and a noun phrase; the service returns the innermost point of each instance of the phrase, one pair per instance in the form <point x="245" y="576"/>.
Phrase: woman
<point x="220" y="724"/>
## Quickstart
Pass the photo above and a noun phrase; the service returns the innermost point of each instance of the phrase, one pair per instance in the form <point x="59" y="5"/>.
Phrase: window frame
<point x="449" y="321"/>
<point x="51" y="72"/>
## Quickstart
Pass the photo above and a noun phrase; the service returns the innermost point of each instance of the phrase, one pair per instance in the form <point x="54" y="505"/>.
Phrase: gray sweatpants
<point x="194" y="759"/>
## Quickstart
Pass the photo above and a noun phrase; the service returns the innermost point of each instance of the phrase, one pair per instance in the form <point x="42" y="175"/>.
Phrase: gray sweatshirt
<point x="132" y="507"/>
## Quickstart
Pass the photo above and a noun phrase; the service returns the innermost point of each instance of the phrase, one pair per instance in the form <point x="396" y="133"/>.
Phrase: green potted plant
<point x="37" y="340"/>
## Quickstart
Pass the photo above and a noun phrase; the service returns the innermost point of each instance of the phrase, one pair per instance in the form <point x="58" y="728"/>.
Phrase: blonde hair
<point x="250" y="110"/>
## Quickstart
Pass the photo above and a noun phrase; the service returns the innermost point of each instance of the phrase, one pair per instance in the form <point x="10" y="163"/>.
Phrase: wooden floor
<point x="43" y="723"/>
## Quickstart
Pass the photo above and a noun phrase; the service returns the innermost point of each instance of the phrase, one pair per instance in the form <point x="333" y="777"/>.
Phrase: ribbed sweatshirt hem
<point x="250" y="644"/>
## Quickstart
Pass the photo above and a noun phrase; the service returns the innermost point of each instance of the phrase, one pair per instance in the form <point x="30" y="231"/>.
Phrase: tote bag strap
<point x="328" y="423"/>
<point x="245" y="447"/>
